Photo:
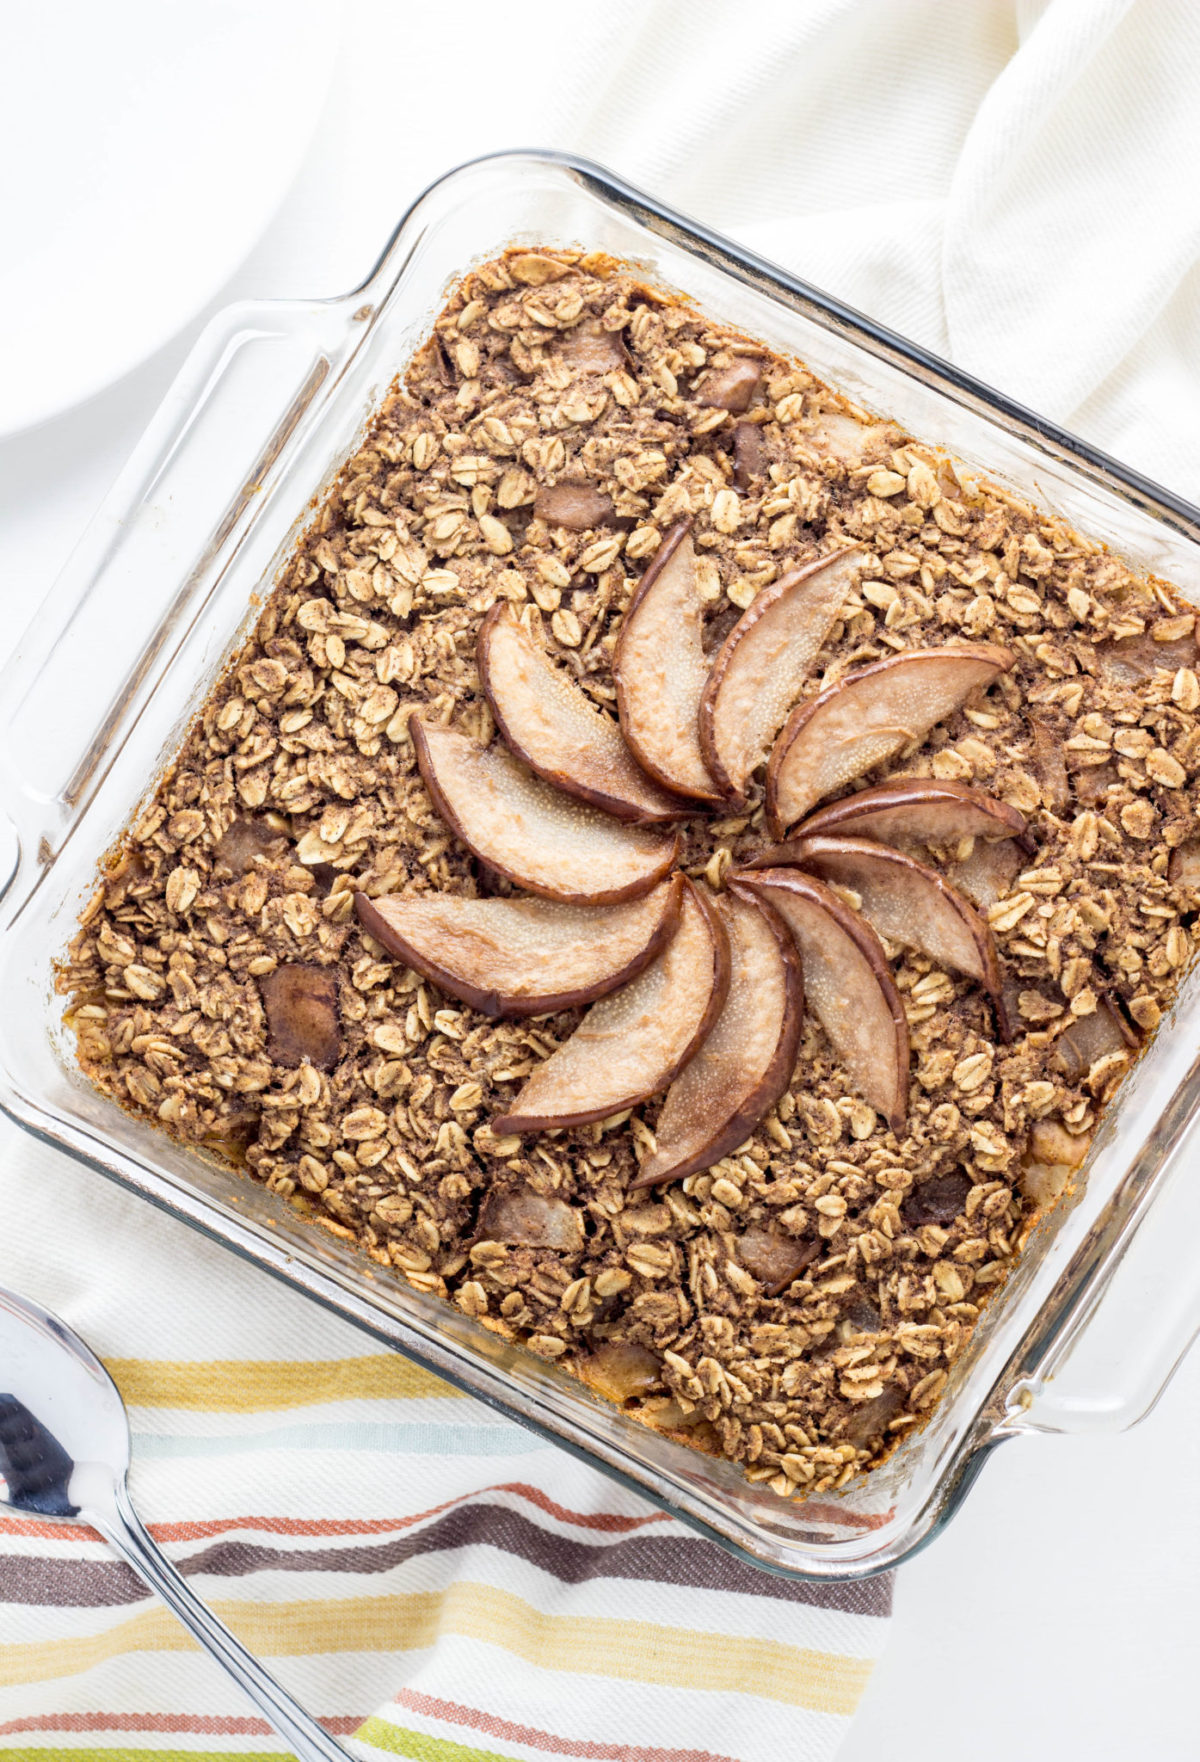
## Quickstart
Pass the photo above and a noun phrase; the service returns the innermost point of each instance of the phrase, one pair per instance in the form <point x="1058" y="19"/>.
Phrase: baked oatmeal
<point x="677" y="870"/>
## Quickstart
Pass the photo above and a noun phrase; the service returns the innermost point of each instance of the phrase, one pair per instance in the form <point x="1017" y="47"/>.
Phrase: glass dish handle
<point x="1107" y="1370"/>
<point x="139" y="576"/>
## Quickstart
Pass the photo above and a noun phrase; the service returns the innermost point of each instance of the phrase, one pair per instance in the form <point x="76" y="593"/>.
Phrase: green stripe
<point x="398" y="1740"/>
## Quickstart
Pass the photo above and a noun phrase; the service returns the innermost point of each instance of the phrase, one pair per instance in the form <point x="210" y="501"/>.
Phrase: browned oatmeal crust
<point x="297" y="786"/>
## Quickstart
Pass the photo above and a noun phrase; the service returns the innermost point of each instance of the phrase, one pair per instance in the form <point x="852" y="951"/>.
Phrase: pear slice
<point x="630" y="1044"/>
<point x="660" y="670"/>
<point x="523" y="957"/>
<point x="918" y="810"/>
<point x="868" y="717"/>
<point x="764" y="661"/>
<point x="547" y="721"/>
<point x="848" y="985"/>
<point x="911" y="904"/>
<point x="746" y="1063"/>
<point x="873" y="1418"/>
<point x="525" y="830"/>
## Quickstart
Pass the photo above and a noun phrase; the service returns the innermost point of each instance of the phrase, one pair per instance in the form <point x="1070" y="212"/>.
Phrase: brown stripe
<point x="838" y="1517"/>
<point x="686" y="1560"/>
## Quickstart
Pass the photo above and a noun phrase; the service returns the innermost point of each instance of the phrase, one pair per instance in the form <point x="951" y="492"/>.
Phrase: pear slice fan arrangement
<point x="694" y="995"/>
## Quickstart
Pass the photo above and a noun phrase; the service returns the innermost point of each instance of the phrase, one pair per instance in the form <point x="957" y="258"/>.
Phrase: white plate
<point x="145" y="146"/>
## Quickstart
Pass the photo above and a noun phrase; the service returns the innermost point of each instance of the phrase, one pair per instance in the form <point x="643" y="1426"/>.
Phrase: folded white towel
<point x="1012" y="182"/>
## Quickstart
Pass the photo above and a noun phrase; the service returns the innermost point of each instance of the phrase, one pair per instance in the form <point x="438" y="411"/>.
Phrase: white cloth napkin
<point x="429" y="1579"/>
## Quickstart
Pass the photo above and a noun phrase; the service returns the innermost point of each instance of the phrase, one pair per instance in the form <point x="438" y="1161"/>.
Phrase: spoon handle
<point x="121" y="1526"/>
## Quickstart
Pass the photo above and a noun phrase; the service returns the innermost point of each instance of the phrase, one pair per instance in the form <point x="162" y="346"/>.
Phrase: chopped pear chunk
<point x="240" y="846"/>
<point x="526" y="830"/>
<point x="776" y="1259"/>
<point x="868" y="717"/>
<point x="621" y="1369"/>
<point x="303" y="1020"/>
<point x="549" y="722"/>
<point x="732" y="388"/>
<point x="750" y="458"/>
<point x="1050" y="767"/>
<point x="856" y="442"/>
<point x="1133" y="660"/>
<point x="1089" y="1039"/>
<point x="937" y="1201"/>
<point x="591" y="349"/>
<point x="1183" y="869"/>
<point x="848" y="985"/>
<point x="763" y="662"/>
<point x="523" y="957"/>
<point x="990" y="870"/>
<point x="661" y="670"/>
<point x="577" y="506"/>
<point x="526" y="1219"/>
<point x="630" y="1045"/>
<point x="746" y="1063"/>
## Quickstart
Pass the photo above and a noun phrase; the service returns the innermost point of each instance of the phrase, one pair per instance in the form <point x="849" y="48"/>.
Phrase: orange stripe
<point x="475" y="1719"/>
<point x="343" y="1725"/>
<point x="608" y="1522"/>
<point x="198" y="1724"/>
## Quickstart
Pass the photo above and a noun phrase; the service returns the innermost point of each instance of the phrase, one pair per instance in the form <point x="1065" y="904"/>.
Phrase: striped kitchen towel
<point x="429" y="1579"/>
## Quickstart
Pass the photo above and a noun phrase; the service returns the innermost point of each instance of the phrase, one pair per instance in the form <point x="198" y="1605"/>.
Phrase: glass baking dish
<point x="105" y="681"/>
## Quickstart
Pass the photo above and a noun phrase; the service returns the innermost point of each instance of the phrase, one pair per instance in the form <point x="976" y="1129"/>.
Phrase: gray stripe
<point x="689" y="1561"/>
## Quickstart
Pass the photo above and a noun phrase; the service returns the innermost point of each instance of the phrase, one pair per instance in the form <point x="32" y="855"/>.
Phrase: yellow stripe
<point x="629" y="1651"/>
<point x="234" y="1385"/>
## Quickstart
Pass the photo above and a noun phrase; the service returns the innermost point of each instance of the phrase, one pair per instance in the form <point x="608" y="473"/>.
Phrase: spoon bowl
<point x="64" y="1432"/>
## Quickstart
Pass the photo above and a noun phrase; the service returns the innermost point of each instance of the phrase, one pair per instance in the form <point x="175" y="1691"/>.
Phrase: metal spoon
<point x="64" y="1453"/>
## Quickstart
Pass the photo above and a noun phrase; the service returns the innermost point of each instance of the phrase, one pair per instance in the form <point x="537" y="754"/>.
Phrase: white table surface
<point x="1055" y="1620"/>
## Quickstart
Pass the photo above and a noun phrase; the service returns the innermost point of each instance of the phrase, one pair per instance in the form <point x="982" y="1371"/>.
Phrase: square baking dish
<point x="104" y="684"/>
